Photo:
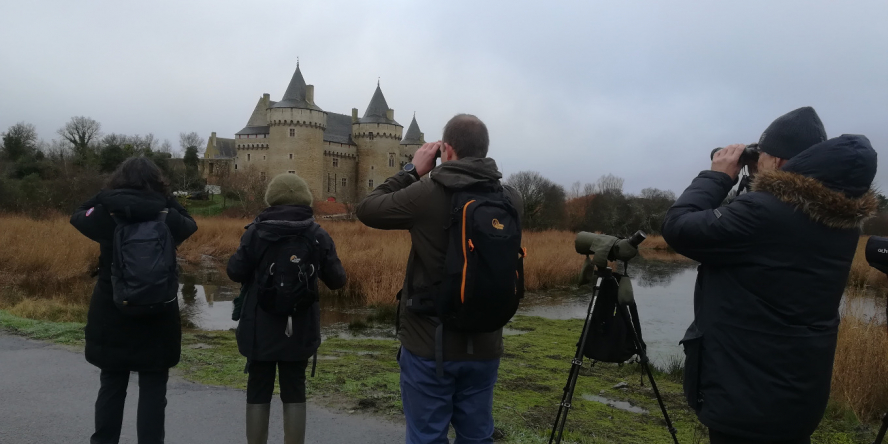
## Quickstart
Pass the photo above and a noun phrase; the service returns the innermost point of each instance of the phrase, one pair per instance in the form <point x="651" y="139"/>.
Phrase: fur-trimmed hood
<point x="829" y="207"/>
<point x="830" y="182"/>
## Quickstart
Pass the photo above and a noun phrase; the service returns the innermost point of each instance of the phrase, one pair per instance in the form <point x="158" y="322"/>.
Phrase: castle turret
<point x="377" y="136"/>
<point x="296" y="134"/>
<point x="413" y="139"/>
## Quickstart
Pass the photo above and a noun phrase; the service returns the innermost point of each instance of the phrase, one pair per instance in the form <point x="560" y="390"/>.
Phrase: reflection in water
<point x="664" y="292"/>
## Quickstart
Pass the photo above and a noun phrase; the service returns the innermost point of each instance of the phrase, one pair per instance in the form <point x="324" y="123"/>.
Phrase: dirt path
<point x="47" y="395"/>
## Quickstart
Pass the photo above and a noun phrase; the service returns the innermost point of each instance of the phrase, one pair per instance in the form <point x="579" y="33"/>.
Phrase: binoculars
<point x="750" y="154"/>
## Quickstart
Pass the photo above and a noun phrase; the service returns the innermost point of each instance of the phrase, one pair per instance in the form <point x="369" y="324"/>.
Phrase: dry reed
<point x="858" y="380"/>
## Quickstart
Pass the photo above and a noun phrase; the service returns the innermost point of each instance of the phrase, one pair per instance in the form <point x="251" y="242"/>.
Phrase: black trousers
<point x="716" y="437"/>
<point x="260" y="384"/>
<point x="112" y="396"/>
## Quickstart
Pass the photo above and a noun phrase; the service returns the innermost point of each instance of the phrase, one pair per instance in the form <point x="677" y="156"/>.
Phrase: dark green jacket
<point x="423" y="208"/>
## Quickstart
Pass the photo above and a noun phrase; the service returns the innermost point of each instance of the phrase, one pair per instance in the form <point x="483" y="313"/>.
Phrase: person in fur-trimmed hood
<point x="773" y="268"/>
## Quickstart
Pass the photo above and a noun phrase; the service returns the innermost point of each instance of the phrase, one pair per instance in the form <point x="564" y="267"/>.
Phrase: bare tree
<point x="609" y="184"/>
<point x="248" y="187"/>
<point x="166" y="147"/>
<point x="80" y="131"/>
<point x="543" y="200"/>
<point x="190" y="140"/>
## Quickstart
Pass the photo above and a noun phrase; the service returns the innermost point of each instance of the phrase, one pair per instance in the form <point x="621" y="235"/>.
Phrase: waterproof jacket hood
<point x="773" y="268"/>
<point x="133" y="205"/>
<point x="465" y="173"/>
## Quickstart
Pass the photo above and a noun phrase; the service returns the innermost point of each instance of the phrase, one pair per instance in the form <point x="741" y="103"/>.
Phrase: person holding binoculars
<point x="773" y="267"/>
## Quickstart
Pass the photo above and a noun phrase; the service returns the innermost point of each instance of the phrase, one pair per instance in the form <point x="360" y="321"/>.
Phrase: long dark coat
<point x="774" y="263"/>
<point x="260" y="335"/>
<point x="115" y="341"/>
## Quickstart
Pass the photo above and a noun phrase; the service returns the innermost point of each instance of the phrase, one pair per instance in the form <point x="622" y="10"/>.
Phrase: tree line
<point x="38" y="177"/>
<point x="601" y="206"/>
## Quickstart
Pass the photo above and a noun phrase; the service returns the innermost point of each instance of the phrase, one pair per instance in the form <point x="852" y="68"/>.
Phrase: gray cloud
<point x="574" y="90"/>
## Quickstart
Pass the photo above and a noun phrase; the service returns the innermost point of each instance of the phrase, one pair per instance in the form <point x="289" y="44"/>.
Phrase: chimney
<point x="310" y="94"/>
<point x="354" y="115"/>
<point x="213" y="138"/>
<point x="390" y="114"/>
<point x="422" y="137"/>
<point x="266" y="98"/>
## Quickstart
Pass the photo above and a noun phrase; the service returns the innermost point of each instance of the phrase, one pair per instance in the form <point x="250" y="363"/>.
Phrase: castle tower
<point x="295" y="135"/>
<point x="413" y="139"/>
<point x="378" y="137"/>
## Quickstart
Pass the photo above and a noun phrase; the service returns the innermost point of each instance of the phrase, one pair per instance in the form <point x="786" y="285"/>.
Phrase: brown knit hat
<point x="287" y="189"/>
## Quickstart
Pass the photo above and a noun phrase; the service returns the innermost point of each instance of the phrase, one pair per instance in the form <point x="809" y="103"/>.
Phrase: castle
<point x="341" y="157"/>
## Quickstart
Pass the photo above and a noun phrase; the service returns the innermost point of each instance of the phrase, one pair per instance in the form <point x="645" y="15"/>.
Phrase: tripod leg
<point x="576" y="364"/>
<point x="882" y="430"/>
<point x="644" y="361"/>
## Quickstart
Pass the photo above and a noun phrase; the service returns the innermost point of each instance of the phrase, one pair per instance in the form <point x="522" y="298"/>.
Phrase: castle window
<point x="370" y="183"/>
<point x="370" y="135"/>
<point x="291" y="156"/>
<point x="235" y="166"/>
<point x="211" y="167"/>
<point x="292" y="172"/>
<point x="335" y="161"/>
<point x="248" y="157"/>
<point x="391" y="160"/>
<point x="262" y="175"/>
<point x="292" y="132"/>
<point x="344" y="183"/>
<point x="263" y="157"/>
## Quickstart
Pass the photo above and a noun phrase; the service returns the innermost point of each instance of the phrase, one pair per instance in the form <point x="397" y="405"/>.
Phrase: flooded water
<point x="663" y="291"/>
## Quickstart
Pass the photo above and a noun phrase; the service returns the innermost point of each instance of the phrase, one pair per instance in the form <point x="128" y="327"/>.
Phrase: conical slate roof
<point x="258" y="123"/>
<point x="294" y="97"/>
<point x="413" y="135"/>
<point x="377" y="110"/>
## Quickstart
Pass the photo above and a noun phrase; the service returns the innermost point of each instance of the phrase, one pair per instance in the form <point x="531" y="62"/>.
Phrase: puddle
<point x="619" y="405"/>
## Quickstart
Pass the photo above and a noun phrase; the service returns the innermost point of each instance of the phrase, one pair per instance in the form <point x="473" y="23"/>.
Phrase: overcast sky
<point x="574" y="90"/>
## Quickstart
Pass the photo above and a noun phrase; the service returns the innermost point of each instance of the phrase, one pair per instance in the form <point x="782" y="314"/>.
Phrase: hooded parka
<point x="773" y="268"/>
<point x="261" y="335"/>
<point x="424" y="208"/>
<point x="115" y="341"/>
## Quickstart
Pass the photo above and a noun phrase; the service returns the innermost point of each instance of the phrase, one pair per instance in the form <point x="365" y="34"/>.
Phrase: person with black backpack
<point x="463" y="283"/>
<point x="281" y="256"/>
<point x="133" y="320"/>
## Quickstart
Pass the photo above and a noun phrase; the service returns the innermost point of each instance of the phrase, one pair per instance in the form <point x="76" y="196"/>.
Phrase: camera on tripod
<point x="612" y="331"/>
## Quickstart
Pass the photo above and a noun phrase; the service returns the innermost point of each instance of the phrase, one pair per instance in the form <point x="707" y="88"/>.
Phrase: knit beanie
<point x="793" y="133"/>
<point x="287" y="189"/>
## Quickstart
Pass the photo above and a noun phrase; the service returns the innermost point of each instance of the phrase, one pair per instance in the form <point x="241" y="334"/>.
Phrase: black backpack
<point x="144" y="273"/>
<point x="483" y="268"/>
<point x="287" y="275"/>
<point x="610" y="336"/>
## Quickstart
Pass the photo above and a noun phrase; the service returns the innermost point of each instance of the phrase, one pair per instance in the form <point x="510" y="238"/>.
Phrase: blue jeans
<point x="463" y="397"/>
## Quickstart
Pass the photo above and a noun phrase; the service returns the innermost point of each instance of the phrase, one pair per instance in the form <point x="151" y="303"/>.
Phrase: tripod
<point x="606" y="282"/>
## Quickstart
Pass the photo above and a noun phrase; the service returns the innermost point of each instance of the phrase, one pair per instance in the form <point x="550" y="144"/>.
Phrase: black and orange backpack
<point x="484" y="266"/>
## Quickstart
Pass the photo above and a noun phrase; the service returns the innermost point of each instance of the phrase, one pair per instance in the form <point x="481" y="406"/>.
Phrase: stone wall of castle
<point x="379" y="154"/>
<point x="340" y="172"/>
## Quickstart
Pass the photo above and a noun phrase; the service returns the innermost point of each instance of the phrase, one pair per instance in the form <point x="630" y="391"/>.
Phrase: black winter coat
<point x="774" y="264"/>
<point x="260" y="335"/>
<point x="115" y="341"/>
